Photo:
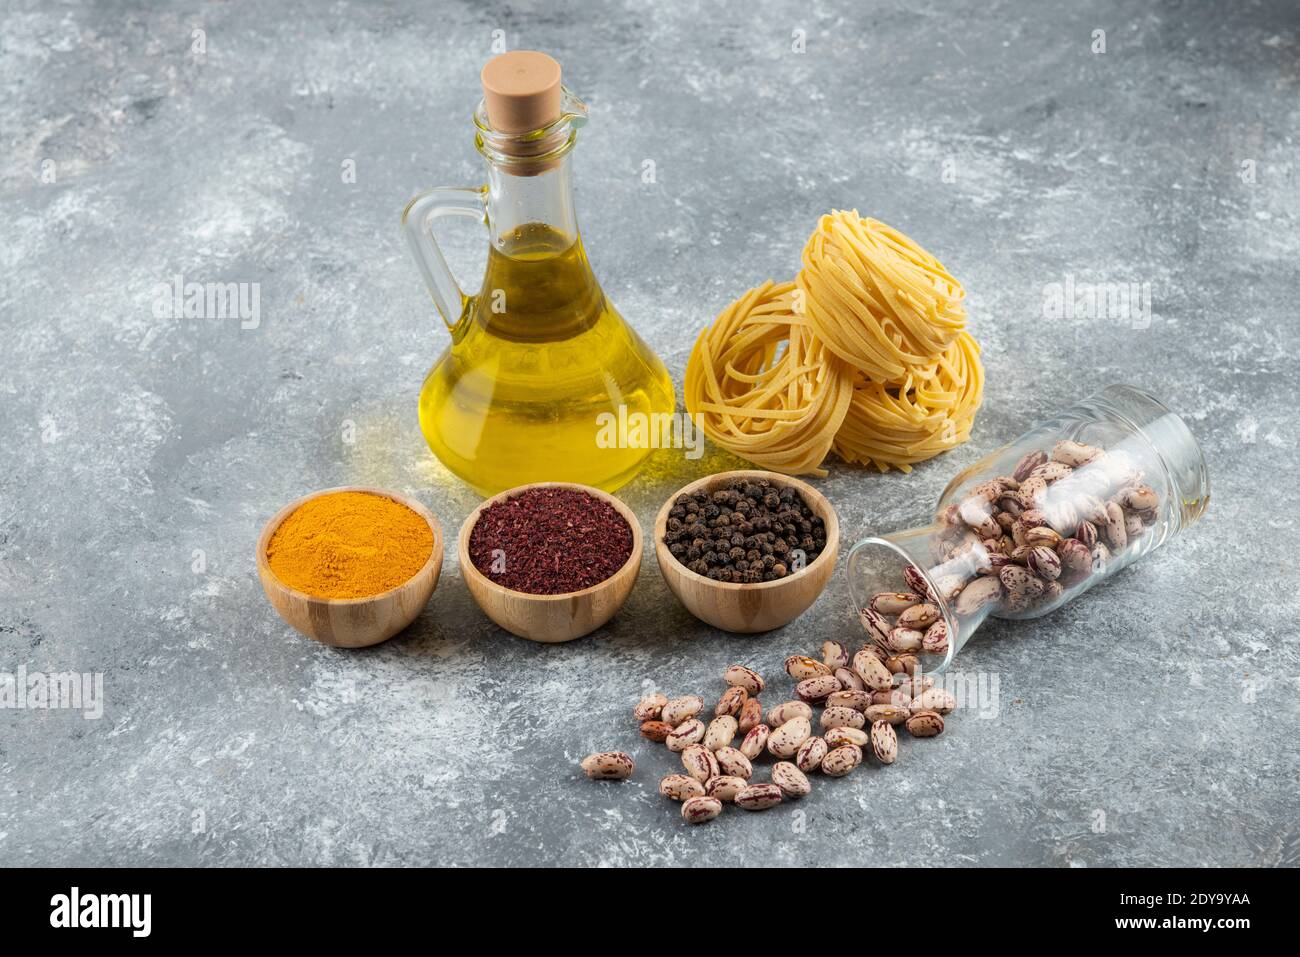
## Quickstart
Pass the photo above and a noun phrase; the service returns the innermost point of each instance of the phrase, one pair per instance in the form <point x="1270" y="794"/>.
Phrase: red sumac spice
<point x="548" y="541"/>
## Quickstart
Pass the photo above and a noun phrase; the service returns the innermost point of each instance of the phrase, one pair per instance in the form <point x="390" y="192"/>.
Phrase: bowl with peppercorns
<point x="747" y="551"/>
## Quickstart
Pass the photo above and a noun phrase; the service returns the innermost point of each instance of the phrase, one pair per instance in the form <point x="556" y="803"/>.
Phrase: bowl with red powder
<point x="551" y="561"/>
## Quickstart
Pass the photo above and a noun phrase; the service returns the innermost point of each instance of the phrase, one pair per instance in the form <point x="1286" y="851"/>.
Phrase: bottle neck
<point x="544" y="198"/>
<point x="530" y="181"/>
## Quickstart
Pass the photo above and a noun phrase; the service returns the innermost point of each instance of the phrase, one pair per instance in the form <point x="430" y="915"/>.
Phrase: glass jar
<point x="1028" y="527"/>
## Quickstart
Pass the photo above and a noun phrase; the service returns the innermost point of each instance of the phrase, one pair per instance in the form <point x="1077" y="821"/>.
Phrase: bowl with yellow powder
<point x="350" y="566"/>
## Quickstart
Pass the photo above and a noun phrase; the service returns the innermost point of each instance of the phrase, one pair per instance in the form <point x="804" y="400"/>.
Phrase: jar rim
<point x="950" y="619"/>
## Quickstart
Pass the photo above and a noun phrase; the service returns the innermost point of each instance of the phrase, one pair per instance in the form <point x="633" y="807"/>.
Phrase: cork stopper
<point x="522" y="91"/>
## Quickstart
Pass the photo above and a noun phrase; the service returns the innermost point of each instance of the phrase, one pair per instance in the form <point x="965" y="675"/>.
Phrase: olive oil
<point x="535" y="358"/>
<point x="540" y="364"/>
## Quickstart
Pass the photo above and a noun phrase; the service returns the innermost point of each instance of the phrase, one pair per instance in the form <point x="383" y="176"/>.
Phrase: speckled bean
<point x="650" y="707"/>
<point x="884" y="742"/>
<point x="857" y="700"/>
<point x="838" y="737"/>
<point x="784" y="741"/>
<point x="731" y="702"/>
<point x="680" y="787"/>
<point x="784" y="712"/>
<point x="839" y="717"/>
<point x="925" y="724"/>
<point x="682" y="709"/>
<point x="733" y="763"/>
<point x="792" y="782"/>
<point x="698" y="810"/>
<point x="608" y="766"/>
<point x="700" y="763"/>
<point x="755" y="741"/>
<point x="810" y="754"/>
<point x="751" y="715"/>
<point x="724" y="787"/>
<point x="759" y="797"/>
<point x="817" y="689"/>
<point x="842" y="760"/>
<point x="744" y="677"/>
<point x="656" y="730"/>
<point x="801" y="668"/>
<point x="687" y="733"/>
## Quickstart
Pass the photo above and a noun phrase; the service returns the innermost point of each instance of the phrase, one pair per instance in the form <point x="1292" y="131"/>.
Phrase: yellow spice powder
<point x="349" y="545"/>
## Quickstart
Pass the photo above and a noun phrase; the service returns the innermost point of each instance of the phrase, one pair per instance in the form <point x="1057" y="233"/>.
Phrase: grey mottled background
<point x="1166" y="700"/>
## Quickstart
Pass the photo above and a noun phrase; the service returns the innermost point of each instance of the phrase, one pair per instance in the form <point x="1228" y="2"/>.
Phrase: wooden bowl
<point x="749" y="609"/>
<point x="551" y="618"/>
<point x="352" y="622"/>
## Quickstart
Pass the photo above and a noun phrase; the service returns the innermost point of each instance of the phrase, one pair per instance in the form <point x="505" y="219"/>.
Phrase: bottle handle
<point x="417" y="225"/>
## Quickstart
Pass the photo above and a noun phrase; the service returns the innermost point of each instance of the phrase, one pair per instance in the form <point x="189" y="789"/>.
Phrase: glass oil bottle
<point x="539" y="353"/>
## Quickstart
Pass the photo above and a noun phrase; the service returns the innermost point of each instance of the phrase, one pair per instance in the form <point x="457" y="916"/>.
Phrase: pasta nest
<point x="865" y="354"/>
<point x="878" y="300"/>
<point x="932" y="412"/>
<point x="765" y="387"/>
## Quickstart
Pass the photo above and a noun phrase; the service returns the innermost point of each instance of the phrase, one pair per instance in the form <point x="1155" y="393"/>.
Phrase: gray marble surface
<point x="1152" y="721"/>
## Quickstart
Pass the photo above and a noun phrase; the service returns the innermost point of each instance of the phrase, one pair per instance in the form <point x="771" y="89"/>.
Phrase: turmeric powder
<point x="349" y="545"/>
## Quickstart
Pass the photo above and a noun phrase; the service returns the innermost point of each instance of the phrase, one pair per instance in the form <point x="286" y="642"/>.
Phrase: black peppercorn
<point x="745" y="532"/>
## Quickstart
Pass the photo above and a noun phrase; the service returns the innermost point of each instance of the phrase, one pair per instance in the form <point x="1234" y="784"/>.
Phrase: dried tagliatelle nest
<point x="865" y="354"/>
<point x="932" y="411"/>
<point x="766" y="388"/>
